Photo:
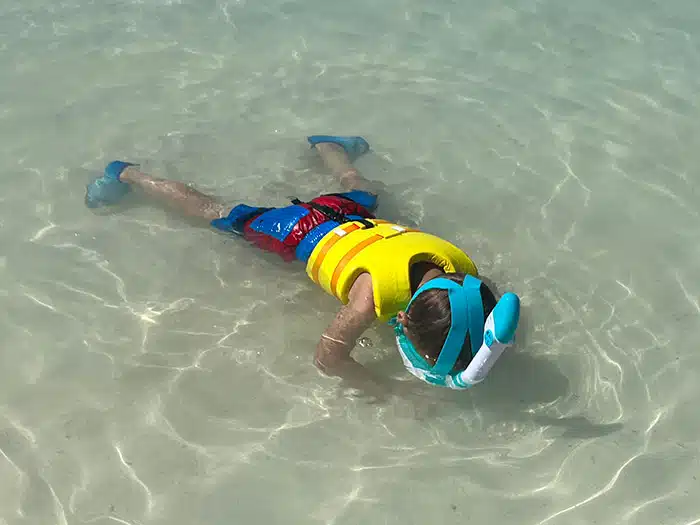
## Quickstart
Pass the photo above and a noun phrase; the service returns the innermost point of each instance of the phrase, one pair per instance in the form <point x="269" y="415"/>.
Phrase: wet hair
<point x="430" y="317"/>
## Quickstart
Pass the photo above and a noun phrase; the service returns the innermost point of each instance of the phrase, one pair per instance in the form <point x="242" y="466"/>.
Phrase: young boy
<point x="449" y="327"/>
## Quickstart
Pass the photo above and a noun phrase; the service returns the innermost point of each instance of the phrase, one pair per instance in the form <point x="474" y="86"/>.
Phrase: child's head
<point x="428" y="320"/>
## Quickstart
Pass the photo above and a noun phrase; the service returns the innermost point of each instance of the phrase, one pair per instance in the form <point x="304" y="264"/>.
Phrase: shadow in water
<point x="521" y="384"/>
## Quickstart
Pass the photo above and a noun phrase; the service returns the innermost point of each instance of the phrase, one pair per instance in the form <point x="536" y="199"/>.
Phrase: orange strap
<point x="353" y="252"/>
<point x="348" y="257"/>
<point x="347" y="228"/>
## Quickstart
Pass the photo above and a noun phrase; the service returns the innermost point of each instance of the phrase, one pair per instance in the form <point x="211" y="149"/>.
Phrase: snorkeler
<point x="449" y="327"/>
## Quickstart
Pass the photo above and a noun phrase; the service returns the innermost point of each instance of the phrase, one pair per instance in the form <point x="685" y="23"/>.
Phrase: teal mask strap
<point x="474" y="311"/>
<point x="458" y="328"/>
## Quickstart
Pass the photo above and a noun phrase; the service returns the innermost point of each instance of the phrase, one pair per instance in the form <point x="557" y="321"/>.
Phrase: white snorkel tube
<point x="488" y="338"/>
<point x="499" y="334"/>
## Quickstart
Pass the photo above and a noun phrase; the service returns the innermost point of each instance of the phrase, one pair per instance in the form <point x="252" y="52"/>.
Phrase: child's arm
<point x="333" y="350"/>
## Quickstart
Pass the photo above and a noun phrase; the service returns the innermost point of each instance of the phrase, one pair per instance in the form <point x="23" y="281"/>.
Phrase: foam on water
<point x="154" y="372"/>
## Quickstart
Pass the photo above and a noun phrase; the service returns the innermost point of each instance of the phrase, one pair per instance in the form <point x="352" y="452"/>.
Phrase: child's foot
<point x="353" y="146"/>
<point x="107" y="189"/>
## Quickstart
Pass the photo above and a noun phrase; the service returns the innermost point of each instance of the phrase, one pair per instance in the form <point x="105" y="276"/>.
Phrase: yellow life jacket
<point x="386" y="252"/>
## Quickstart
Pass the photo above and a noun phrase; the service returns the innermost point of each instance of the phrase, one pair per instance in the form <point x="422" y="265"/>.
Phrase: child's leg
<point x="338" y="161"/>
<point x="338" y="154"/>
<point x="176" y="195"/>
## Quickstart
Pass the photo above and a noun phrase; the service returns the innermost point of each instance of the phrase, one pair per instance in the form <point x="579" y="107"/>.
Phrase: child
<point x="449" y="327"/>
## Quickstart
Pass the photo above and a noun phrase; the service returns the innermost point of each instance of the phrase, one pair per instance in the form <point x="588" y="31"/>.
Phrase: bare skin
<point x="176" y="195"/>
<point x="352" y="320"/>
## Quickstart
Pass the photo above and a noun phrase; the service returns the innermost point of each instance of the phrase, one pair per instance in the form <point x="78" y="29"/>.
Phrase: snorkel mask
<point x="488" y="339"/>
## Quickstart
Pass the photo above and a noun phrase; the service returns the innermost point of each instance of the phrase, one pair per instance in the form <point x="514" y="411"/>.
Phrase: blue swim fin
<point x="354" y="146"/>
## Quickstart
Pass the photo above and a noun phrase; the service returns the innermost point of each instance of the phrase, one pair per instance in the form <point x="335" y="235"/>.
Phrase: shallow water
<point x="154" y="372"/>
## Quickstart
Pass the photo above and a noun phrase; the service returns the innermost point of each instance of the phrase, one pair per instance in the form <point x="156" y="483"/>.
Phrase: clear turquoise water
<point x="154" y="373"/>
